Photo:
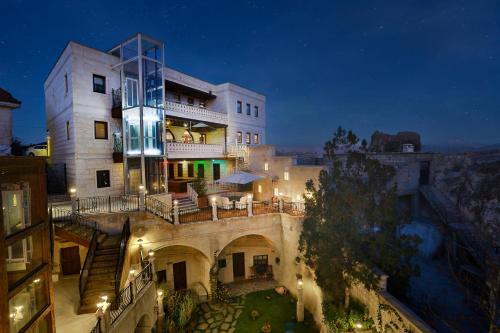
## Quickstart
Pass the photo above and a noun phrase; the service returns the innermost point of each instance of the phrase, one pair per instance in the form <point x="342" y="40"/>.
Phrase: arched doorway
<point x="180" y="267"/>
<point x="248" y="258"/>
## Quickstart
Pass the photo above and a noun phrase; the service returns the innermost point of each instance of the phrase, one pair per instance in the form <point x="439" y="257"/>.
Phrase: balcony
<point x="175" y="109"/>
<point x="194" y="150"/>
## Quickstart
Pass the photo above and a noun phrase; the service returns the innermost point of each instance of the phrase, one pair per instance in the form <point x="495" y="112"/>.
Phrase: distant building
<point x="7" y="104"/>
<point x="388" y="143"/>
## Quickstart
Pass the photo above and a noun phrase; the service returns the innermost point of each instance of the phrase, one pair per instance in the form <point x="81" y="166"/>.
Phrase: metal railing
<point x="265" y="207"/>
<point x="159" y="208"/>
<point x="84" y="274"/>
<point x="97" y="327"/>
<point x="108" y="204"/>
<point x="294" y="208"/>
<point x="232" y="210"/>
<point x="117" y="97"/>
<point x="202" y="214"/>
<point x="144" y="277"/>
<point x="123" y="299"/>
<point x="121" y="258"/>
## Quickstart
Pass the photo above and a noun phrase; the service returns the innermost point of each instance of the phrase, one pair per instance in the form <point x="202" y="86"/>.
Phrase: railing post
<point x="133" y="290"/>
<point x="74" y="203"/>
<point x="280" y="205"/>
<point x="176" y="212"/>
<point x="250" y="205"/>
<point x="142" y="197"/>
<point x="109" y="204"/>
<point x="213" y="201"/>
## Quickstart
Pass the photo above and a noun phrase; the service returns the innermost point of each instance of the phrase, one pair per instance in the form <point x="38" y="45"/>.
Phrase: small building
<point x="25" y="256"/>
<point x="7" y="104"/>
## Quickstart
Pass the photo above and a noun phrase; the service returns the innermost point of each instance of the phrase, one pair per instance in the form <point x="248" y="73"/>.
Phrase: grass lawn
<point x="277" y="311"/>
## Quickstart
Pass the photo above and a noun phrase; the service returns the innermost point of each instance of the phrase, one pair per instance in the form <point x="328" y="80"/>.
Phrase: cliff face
<point x="472" y="182"/>
<point x="383" y="142"/>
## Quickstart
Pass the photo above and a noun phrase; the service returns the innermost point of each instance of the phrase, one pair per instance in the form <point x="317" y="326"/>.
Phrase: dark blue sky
<point x="428" y="66"/>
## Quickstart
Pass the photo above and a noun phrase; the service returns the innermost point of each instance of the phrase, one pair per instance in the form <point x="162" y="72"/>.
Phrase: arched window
<point x="170" y="136"/>
<point x="187" y="137"/>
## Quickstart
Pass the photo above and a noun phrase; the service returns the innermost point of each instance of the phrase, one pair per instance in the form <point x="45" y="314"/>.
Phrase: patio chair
<point x="224" y="203"/>
<point x="242" y="204"/>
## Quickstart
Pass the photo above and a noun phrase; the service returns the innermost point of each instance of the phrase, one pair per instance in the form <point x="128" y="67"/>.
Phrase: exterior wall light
<point x="151" y="253"/>
<point x="132" y="271"/>
<point x="140" y="241"/>
<point x="36" y="281"/>
<point x="300" y="283"/>
<point x="141" y="187"/>
<point x="72" y="190"/>
<point x="176" y="202"/>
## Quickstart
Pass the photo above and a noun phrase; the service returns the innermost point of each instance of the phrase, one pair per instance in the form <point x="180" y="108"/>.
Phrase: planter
<point x="202" y="202"/>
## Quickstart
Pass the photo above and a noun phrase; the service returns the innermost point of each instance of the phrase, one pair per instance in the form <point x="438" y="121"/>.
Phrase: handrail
<point x="158" y="207"/>
<point x="88" y="262"/>
<point x="191" y="193"/>
<point x="121" y="258"/>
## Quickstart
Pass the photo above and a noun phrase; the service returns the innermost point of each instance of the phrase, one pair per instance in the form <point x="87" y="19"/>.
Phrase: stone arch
<point x="186" y="244"/>
<point x="145" y="324"/>
<point x="250" y="233"/>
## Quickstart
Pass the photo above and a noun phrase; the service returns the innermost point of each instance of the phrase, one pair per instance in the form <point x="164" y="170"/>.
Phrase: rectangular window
<point x="179" y="169"/>
<point x="276" y="192"/>
<point x="248" y="109"/>
<point x="65" y="83"/>
<point x="286" y="175"/>
<point x="27" y="303"/>
<point x="266" y="166"/>
<point x="247" y="138"/>
<point x="24" y="256"/>
<point x="103" y="178"/>
<point x="260" y="260"/>
<point x="256" y="138"/>
<point x="259" y="188"/>
<point x="201" y="171"/>
<point x="190" y="101"/>
<point x="255" y="110"/>
<point x="238" y="106"/>
<point x="239" y="137"/>
<point x="190" y="170"/>
<point x="99" y="84"/>
<point x="221" y="263"/>
<point x="67" y="130"/>
<point x="101" y="130"/>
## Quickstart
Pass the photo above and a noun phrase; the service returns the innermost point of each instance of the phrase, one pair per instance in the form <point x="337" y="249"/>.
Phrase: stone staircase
<point x="102" y="273"/>
<point x="186" y="205"/>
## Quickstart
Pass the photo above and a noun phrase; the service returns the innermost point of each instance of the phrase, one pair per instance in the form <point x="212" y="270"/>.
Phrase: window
<point x="101" y="130"/>
<point x="256" y="138"/>
<point x="201" y="171"/>
<point x="259" y="188"/>
<point x="276" y="192"/>
<point x="131" y="92"/>
<point x="190" y="101"/>
<point x="179" y="170"/>
<point x="260" y="260"/>
<point x="221" y="263"/>
<point x="99" y="84"/>
<point x="239" y="137"/>
<point x="238" y="106"/>
<point x="255" y="110"/>
<point x="286" y="175"/>
<point x="202" y="104"/>
<point x="65" y="83"/>
<point x="190" y="170"/>
<point x="247" y="138"/>
<point x="67" y="130"/>
<point x="103" y="179"/>
<point x="266" y="166"/>
<point x="203" y="138"/>
<point x="248" y="109"/>
<point x="27" y="303"/>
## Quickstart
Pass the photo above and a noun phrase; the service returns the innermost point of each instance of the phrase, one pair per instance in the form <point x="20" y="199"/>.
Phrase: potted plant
<point x="200" y="186"/>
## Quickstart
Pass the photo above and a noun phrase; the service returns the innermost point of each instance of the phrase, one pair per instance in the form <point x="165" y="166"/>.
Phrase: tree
<point x="17" y="148"/>
<point x="352" y="223"/>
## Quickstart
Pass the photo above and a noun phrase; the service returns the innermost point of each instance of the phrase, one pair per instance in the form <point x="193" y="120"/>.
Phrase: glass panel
<point x="131" y="83"/>
<point x="13" y="211"/>
<point x="153" y="126"/>
<point x="43" y="326"/>
<point x="130" y="49"/>
<point x="153" y="86"/>
<point x="152" y="50"/>
<point x="27" y="303"/>
<point x="132" y="131"/>
<point x="24" y="256"/>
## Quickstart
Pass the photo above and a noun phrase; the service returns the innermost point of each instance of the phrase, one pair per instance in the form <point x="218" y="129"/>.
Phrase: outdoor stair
<point x="186" y="205"/>
<point x="443" y="206"/>
<point x="75" y="232"/>
<point x="102" y="273"/>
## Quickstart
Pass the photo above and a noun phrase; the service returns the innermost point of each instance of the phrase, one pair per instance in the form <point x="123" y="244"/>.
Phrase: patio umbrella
<point x="239" y="177"/>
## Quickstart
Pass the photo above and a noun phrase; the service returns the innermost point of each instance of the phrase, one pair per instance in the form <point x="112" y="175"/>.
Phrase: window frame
<point x="190" y="170"/>
<point x="249" y="109"/>
<point x="94" y="76"/>
<point x="248" y="138"/>
<point x="256" y="139"/>
<point x="67" y="131"/>
<point x="190" y="101"/>
<point x="98" y="172"/>
<point x="239" y="107"/>
<point x="180" y="170"/>
<point x="106" y="132"/>
<point x="239" y="137"/>
<point x="256" y="111"/>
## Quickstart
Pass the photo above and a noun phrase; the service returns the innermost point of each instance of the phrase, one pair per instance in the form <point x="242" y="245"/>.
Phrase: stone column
<point x="214" y="208"/>
<point x="176" y="212"/>
<point x="74" y="203"/>
<point x="280" y="205"/>
<point x="250" y="205"/>
<point x="142" y="197"/>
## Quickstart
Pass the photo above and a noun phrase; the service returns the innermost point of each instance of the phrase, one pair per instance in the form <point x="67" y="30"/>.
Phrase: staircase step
<point x="104" y="264"/>
<point x="107" y="276"/>
<point x="112" y="250"/>
<point x="102" y="270"/>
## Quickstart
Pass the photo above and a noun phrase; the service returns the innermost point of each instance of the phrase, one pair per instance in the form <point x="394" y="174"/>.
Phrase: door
<point x="239" y="265"/>
<point x="424" y="172"/>
<point x="216" y="171"/>
<point x="171" y="170"/>
<point x="70" y="260"/>
<point x="180" y="278"/>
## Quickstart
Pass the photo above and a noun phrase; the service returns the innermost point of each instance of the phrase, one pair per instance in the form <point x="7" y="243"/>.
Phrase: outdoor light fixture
<point x="139" y="241"/>
<point x="160" y="293"/>
<point x="214" y="199"/>
<point x="141" y="187"/>
<point x="176" y="202"/>
<point x="358" y="324"/>
<point x="36" y="281"/>
<point x="151" y="253"/>
<point x="132" y="271"/>
<point x="72" y="190"/>
<point x="300" y="283"/>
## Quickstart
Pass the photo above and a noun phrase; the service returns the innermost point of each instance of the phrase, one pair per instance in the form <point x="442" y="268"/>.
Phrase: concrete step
<point x="99" y="276"/>
<point x="104" y="264"/>
<point x="102" y="270"/>
<point x="111" y="250"/>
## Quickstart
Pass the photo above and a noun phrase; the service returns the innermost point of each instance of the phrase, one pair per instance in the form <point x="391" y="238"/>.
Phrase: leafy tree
<point x="352" y="223"/>
<point x="17" y="148"/>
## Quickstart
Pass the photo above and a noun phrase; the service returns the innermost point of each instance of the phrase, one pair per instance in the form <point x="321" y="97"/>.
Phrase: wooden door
<point x="216" y="171"/>
<point x="171" y="170"/>
<point x="239" y="265"/>
<point x="180" y="277"/>
<point x="70" y="260"/>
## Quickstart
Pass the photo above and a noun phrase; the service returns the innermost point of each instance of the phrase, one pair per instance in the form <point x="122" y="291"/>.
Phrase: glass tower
<point x="141" y="71"/>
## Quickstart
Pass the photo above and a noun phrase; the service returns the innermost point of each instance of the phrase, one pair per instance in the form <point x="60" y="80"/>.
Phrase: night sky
<point x="427" y="66"/>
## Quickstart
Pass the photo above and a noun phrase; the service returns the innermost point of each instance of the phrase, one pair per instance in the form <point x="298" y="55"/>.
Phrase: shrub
<point x="179" y="308"/>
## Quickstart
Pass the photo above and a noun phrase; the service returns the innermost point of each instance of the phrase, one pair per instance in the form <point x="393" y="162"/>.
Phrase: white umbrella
<point x="239" y="177"/>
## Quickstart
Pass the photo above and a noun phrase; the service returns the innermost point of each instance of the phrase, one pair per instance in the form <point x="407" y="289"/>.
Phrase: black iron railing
<point x="195" y="215"/>
<point x="97" y="327"/>
<point x="121" y="258"/>
<point x="123" y="299"/>
<point x="108" y="204"/>
<point x="84" y="274"/>
<point x="117" y="97"/>
<point x="144" y="277"/>
<point x="265" y="207"/>
<point x="159" y="208"/>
